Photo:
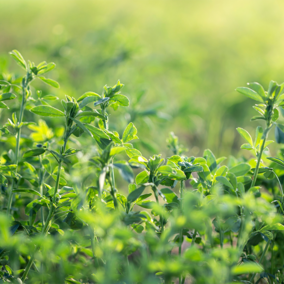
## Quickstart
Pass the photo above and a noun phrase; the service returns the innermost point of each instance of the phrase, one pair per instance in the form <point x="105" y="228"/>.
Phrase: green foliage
<point x="80" y="204"/>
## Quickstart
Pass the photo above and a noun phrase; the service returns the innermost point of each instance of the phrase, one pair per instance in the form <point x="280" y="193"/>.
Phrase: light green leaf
<point x="169" y="195"/>
<point x="49" y="82"/>
<point x="240" y="169"/>
<point x="19" y="58"/>
<point x="120" y="99"/>
<point x="97" y="132"/>
<point x="273" y="227"/>
<point x="129" y="133"/>
<point x="87" y="98"/>
<point x="245" y="135"/>
<point x="258" y="89"/>
<point x="250" y="93"/>
<point x="224" y="181"/>
<point x="47" y="111"/>
<point x="245" y="268"/>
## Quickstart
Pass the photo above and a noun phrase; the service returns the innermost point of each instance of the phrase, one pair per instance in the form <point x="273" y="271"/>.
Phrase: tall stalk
<point x="25" y="83"/>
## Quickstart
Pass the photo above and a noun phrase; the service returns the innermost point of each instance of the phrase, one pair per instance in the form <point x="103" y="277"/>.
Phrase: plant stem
<point x="259" y="159"/>
<point x="41" y="177"/>
<point x="11" y="194"/>
<point x="181" y="231"/>
<point x="261" y="258"/>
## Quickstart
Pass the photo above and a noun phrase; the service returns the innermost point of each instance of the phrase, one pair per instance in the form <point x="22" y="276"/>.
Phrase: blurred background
<point x="180" y="61"/>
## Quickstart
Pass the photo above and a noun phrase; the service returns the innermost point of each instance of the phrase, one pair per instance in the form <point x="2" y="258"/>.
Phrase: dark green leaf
<point x="33" y="152"/>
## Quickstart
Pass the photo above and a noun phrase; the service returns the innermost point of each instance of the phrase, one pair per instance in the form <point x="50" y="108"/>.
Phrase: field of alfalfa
<point x="132" y="148"/>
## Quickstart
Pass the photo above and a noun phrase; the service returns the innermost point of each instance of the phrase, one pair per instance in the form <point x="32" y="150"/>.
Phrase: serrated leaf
<point x="47" y="111"/>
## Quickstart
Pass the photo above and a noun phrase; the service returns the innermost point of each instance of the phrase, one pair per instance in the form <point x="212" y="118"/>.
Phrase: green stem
<point x="11" y="194"/>
<point x="181" y="231"/>
<point x="261" y="258"/>
<point x="41" y="177"/>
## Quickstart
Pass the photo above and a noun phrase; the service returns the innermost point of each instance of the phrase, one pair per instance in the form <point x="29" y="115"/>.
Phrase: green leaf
<point x="120" y="99"/>
<point x="258" y="89"/>
<point x="142" y="177"/>
<point x="125" y="171"/>
<point x="46" y="68"/>
<point x="245" y="268"/>
<point x="7" y="96"/>
<point x="273" y="227"/>
<point x="49" y="82"/>
<point x="88" y="94"/>
<point x="279" y="134"/>
<point x="90" y="113"/>
<point x="97" y="132"/>
<point x="276" y="160"/>
<point x="87" y="98"/>
<point x="240" y="169"/>
<point x="129" y="133"/>
<point x="25" y="190"/>
<point x="211" y="160"/>
<point x="33" y="152"/>
<point x="169" y="195"/>
<point x="116" y="150"/>
<point x="82" y="126"/>
<point x="250" y="93"/>
<point x="19" y="58"/>
<point x="135" y="194"/>
<point x="275" y="115"/>
<point x="224" y="181"/>
<point x="2" y="105"/>
<point x="47" y="111"/>
<point x="258" y="135"/>
<point x="245" y="135"/>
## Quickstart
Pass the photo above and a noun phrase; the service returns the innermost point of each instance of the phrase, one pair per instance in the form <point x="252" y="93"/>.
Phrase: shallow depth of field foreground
<point x="111" y="184"/>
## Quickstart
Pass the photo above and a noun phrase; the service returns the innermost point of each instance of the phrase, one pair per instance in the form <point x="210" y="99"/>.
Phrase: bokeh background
<point x="185" y="57"/>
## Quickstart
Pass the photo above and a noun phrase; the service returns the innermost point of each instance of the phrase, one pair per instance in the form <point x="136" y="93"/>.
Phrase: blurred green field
<point x="188" y="57"/>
